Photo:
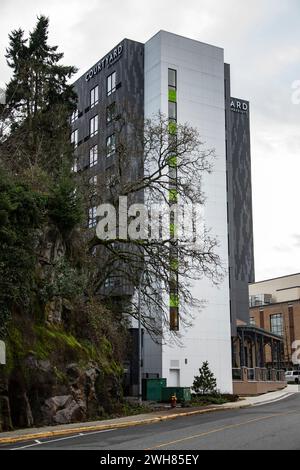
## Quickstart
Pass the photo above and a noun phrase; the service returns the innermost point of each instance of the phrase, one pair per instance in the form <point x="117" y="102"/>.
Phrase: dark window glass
<point x="110" y="145"/>
<point x="172" y="78"/>
<point x="74" y="138"/>
<point x="92" y="222"/>
<point x="93" y="157"/>
<point x="110" y="113"/>
<point x="111" y="83"/>
<point x="172" y="111"/>
<point x="276" y="324"/>
<point x="174" y="319"/>
<point x="93" y="126"/>
<point x="94" y="96"/>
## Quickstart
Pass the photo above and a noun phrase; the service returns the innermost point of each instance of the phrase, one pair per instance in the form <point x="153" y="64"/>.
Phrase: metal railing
<point x="237" y="374"/>
<point x="258" y="374"/>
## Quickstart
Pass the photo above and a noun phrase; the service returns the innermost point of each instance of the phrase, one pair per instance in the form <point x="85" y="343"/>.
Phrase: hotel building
<point x="189" y="82"/>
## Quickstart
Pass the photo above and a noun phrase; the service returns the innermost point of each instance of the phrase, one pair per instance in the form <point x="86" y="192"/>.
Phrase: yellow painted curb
<point x="105" y="427"/>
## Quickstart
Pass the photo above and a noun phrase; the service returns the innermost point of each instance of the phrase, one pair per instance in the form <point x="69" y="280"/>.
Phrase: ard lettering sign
<point x="106" y="62"/>
<point x="239" y="106"/>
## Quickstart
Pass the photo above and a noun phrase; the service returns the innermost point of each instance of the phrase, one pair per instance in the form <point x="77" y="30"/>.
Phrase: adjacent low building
<point x="275" y="306"/>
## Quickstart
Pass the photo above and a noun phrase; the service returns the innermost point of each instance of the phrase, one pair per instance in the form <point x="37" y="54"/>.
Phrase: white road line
<point x="37" y="443"/>
<point x="275" y="399"/>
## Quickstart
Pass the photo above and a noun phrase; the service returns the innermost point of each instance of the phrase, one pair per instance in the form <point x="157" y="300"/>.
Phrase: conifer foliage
<point x="40" y="100"/>
<point x="205" y="383"/>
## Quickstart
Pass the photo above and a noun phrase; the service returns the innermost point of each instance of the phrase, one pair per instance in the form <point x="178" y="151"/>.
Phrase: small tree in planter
<point x="205" y="383"/>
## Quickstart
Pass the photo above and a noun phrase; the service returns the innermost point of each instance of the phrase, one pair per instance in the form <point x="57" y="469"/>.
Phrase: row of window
<point x="172" y="115"/>
<point x="94" y="94"/>
<point x="94" y="124"/>
<point x="172" y="94"/>
<point x="276" y="323"/>
<point x="93" y="152"/>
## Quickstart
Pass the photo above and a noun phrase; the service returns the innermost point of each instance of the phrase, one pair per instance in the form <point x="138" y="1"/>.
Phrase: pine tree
<point x="205" y="382"/>
<point x="40" y="100"/>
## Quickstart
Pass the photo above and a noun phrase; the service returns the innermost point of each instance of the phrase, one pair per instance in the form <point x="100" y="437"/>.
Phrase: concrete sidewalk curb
<point x="105" y="427"/>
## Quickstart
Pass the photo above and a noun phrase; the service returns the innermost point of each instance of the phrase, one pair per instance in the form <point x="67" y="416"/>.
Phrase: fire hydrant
<point x="173" y="401"/>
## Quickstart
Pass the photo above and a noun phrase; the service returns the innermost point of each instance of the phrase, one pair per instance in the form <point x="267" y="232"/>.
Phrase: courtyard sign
<point x="107" y="61"/>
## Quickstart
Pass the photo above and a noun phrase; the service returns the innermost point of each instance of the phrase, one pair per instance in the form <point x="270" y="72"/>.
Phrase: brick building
<point x="275" y="306"/>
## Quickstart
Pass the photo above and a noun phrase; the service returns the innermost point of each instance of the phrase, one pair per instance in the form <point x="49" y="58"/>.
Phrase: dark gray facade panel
<point x="242" y="190"/>
<point x="129" y="100"/>
<point x="239" y="199"/>
<point x="128" y="64"/>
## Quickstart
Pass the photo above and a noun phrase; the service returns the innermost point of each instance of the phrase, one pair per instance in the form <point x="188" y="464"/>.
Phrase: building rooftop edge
<point x="184" y="37"/>
<point x="273" y="279"/>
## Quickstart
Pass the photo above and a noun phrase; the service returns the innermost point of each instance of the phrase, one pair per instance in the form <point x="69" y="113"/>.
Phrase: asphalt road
<point x="268" y="427"/>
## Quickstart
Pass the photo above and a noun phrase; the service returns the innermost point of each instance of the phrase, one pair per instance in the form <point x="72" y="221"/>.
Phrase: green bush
<point x="205" y="382"/>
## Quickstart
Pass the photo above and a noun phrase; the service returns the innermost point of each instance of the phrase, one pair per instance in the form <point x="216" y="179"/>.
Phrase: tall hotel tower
<point x="188" y="81"/>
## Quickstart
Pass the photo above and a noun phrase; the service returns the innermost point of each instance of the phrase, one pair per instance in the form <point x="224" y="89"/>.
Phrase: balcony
<point x="260" y="300"/>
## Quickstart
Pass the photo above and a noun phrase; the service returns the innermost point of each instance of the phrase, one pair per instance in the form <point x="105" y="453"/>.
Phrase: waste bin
<point x="183" y="394"/>
<point x="152" y="388"/>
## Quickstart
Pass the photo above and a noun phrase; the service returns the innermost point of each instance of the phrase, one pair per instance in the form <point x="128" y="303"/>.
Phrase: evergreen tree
<point x="37" y="188"/>
<point x="205" y="382"/>
<point x="39" y="102"/>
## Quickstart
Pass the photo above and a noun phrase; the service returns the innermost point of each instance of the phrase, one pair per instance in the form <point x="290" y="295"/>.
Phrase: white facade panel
<point x="200" y="102"/>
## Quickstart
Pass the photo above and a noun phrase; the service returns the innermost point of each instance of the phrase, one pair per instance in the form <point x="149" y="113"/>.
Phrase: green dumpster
<point x="151" y="389"/>
<point x="183" y="394"/>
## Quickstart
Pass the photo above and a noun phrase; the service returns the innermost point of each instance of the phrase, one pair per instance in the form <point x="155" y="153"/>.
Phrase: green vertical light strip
<point x="173" y="199"/>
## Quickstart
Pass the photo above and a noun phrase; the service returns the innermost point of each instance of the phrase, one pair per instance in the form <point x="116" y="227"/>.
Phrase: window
<point x="109" y="282"/>
<point x="252" y="321"/>
<point x="113" y="281"/>
<point x="172" y="97"/>
<point x="172" y="78"/>
<point x="172" y="111"/>
<point x="110" y="145"/>
<point x="94" y="126"/>
<point x="110" y="113"/>
<point x="94" y="96"/>
<point x="75" y="166"/>
<point x="74" y="138"/>
<point x="93" y="184"/>
<point x="92" y="217"/>
<point x="174" y="319"/>
<point x="94" y="155"/>
<point x="93" y="180"/>
<point x="276" y="324"/>
<point x="74" y="116"/>
<point x="110" y="180"/>
<point x="111" y="83"/>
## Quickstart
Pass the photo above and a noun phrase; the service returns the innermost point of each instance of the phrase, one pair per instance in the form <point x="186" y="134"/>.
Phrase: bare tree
<point x="155" y="163"/>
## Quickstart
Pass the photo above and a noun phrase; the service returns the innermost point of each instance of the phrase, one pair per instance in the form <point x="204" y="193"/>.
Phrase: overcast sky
<point x="261" y="39"/>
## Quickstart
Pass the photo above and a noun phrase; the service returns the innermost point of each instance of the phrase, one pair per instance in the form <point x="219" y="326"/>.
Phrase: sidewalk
<point x="128" y="421"/>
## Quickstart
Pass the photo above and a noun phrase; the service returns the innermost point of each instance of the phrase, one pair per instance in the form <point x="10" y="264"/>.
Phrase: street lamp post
<point x="140" y="360"/>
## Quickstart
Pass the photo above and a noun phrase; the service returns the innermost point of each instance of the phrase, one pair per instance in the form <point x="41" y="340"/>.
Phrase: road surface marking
<point x="224" y="428"/>
<point x="37" y="443"/>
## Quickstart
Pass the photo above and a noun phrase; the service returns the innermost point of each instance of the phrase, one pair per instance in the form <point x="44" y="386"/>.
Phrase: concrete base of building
<point x="256" y="388"/>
